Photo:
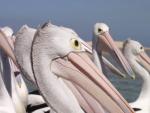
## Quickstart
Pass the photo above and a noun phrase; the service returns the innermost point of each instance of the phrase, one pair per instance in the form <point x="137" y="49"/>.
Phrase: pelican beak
<point x="113" y="69"/>
<point x="110" y="46"/>
<point x="4" y="44"/>
<point x="79" y="69"/>
<point x="144" y="60"/>
<point x="85" y="46"/>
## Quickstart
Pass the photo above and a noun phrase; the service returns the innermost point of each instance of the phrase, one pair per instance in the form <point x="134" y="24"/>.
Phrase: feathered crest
<point x="45" y="25"/>
<point x="22" y="29"/>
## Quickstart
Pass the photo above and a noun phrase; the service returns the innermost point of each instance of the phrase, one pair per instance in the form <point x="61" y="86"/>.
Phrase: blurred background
<point x="126" y="18"/>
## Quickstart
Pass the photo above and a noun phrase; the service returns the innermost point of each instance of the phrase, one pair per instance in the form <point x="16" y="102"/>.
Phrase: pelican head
<point x="100" y="28"/>
<point x="9" y="34"/>
<point x="133" y="47"/>
<point x="106" y="42"/>
<point x="63" y="38"/>
<point x="22" y="50"/>
<point x="134" y="50"/>
<point x="8" y="31"/>
<point x="58" y="53"/>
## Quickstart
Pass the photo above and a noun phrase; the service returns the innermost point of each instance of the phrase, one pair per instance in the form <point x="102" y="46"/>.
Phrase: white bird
<point x="10" y="80"/>
<point x="24" y="38"/>
<point x="22" y="50"/>
<point x="19" y="88"/>
<point x="102" y="41"/>
<point x="6" y="104"/>
<point x="20" y="83"/>
<point x="140" y="63"/>
<point x="57" y="53"/>
<point x="20" y="92"/>
<point x="23" y="43"/>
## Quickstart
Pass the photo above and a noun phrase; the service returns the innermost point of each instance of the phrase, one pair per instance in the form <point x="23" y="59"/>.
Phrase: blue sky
<point x="126" y="18"/>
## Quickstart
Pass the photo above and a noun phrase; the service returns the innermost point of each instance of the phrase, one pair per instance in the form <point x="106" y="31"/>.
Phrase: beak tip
<point x="132" y="74"/>
<point x="124" y="76"/>
<point x="133" y="77"/>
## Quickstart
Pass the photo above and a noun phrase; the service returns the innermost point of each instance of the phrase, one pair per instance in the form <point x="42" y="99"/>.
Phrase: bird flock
<point x="70" y="76"/>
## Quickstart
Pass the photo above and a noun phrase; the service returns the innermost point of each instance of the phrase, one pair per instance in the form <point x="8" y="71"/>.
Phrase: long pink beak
<point x="80" y="70"/>
<point x="109" y="45"/>
<point x="6" y="47"/>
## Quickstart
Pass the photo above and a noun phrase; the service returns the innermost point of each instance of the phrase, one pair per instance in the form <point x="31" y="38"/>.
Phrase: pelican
<point x="23" y="43"/>
<point x="20" y="92"/>
<point x="22" y="50"/>
<point x="24" y="38"/>
<point x="102" y="41"/>
<point x="6" y="104"/>
<point x="9" y="80"/>
<point x="140" y="63"/>
<point x="57" y="54"/>
<point x="94" y="105"/>
<point x="20" y="83"/>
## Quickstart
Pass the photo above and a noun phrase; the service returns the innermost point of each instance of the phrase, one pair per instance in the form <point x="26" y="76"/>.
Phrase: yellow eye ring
<point x="75" y="44"/>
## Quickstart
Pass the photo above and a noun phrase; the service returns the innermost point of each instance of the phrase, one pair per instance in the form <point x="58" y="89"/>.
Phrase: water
<point x="129" y="88"/>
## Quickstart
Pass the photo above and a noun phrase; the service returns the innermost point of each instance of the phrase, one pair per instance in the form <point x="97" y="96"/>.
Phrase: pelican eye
<point x="99" y="30"/>
<point x="75" y="44"/>
<point x="141" y="47"/>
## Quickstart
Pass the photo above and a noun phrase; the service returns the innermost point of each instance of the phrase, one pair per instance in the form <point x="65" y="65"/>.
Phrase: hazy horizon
<point x="125" y="18"/>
